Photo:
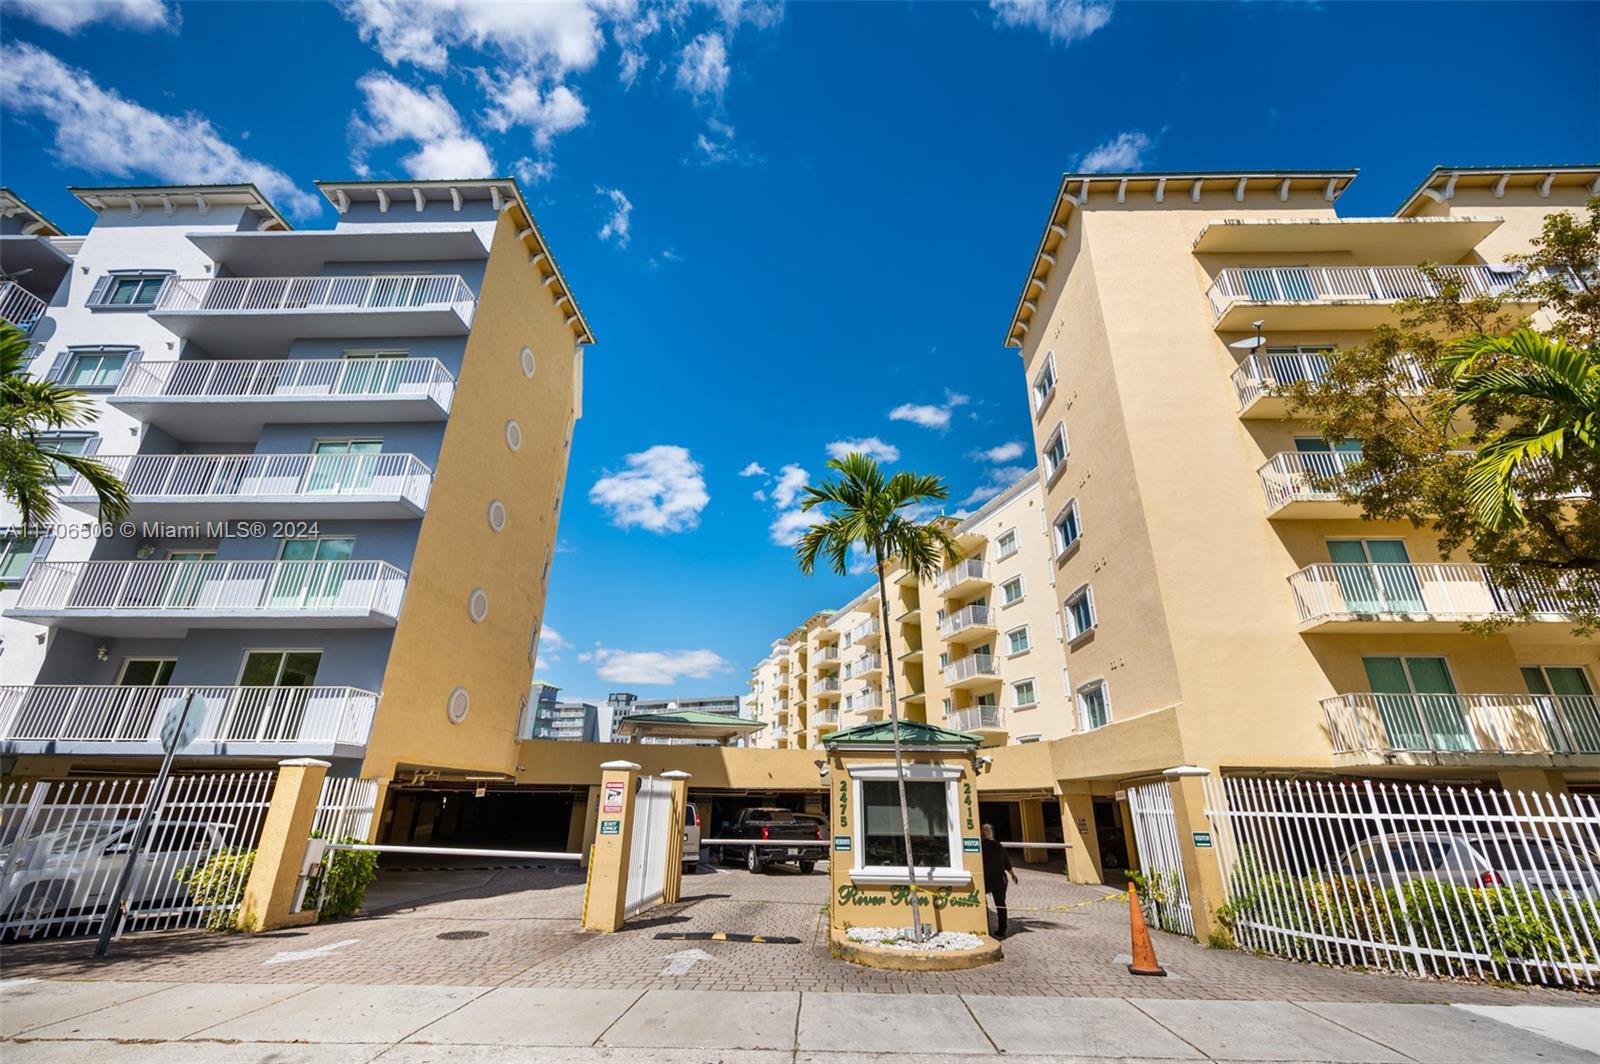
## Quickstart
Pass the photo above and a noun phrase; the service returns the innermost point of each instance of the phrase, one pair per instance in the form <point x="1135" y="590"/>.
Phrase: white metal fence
<point x="647" y="849"/>
<point x="970" y="667"/>
<point x="339" y="379"/>
<point x="1378" y="723"/>
<point x="346" y="809"/>
<point x="1155" y="832"/>
<point x="1444" y="881"/>
<point x="20" y="307"/>
<point x="1448" y="590"/>
<point x="978" y="718"/>
<point x="415" y="291"/>
<point x="1309" y="284"/>
<point x="242" y="476"/>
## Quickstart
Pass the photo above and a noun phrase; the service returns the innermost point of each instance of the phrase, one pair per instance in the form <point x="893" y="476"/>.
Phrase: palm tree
<point x="29" y="406"/>
<point x="1552" y="391"/>
<point x="864" y="507"/>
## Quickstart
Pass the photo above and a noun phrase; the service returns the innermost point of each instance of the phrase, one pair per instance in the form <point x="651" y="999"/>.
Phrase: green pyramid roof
<point x="692" y="716"/>
<point x="912" y="733"/>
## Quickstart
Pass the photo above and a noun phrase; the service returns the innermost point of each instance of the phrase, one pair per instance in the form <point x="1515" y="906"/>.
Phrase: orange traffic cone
<point x="1144" y="954"/>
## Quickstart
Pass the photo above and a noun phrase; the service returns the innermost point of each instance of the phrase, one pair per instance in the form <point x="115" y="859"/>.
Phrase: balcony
<point x="1290" y="481"/>
<point x="197" y="487"/>
<point x="1423" y="727"/>
<point x="979" y="720"/>
<point x="868" y="702"/>
<point x="267" y="313"/>
<point x="20" y="307"/>
<point x="825" y="719"/>
<point x="974" y="670"/>
<point x="167" y="598"/>
<point x="869" y="665"/>
<point x="912" y="616"/>
<point x="865" y="630"/>
<point x="1260" y="380"/>
<point x="972" y="622"/>
<point x="968" y="575"/>
<point x="229" y="400"/>
<point x="235" y="721"/>
<point x="1334" y="297"/>
<point x="826" y="654"/>
<point x="1430" y="596"/>
<point x="827" y="685"/>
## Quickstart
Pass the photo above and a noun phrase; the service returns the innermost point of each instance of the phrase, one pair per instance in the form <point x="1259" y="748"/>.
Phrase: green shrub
<point x="219" y="882"/>
<point x="343" y="884"/>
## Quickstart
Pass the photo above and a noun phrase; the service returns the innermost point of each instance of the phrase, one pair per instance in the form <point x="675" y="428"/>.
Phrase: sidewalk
<point x="287" y="1023"/>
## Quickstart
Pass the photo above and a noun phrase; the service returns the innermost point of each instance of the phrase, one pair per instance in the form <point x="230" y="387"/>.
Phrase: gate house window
<point x="930" y="823"/>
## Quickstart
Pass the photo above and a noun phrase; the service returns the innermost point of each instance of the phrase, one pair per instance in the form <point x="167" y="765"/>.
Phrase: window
<point x="1018" y="641"/>
<point x="1023" y="694"/>
<point x="928" y="807"/>
<point x="947" y="707"/>
<point x="1006" y="544"/>
<point x="1067" y="528"/>
<point x="1079" y="613"/>
<point x="1094" y="705"/>
<point x="146" y="672"/>
<point x="78" y="443"/>
<point x="94" y="369"/>
<point x="1011" y="591"/>
<point x="273" y="711"/>
<point x="127" y="290"/>
<point x="1044" y="385"/>
<point x="16" y="554"/>
<point x="1055" y="452"/>
<point x="987" y="700"/>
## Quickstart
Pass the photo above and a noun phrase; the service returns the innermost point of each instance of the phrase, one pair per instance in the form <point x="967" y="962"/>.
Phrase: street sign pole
<point x="174" y="734"/>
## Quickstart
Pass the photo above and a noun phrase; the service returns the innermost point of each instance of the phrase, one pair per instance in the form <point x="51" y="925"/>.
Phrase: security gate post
<point x="607" y="891"/>
<point x="1202" y="874"/>
<point x="673" y="890"/>
<point x="269" y="893"/>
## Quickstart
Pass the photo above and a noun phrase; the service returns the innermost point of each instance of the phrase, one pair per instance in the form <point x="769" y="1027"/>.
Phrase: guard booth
<point x="870" y="883"/>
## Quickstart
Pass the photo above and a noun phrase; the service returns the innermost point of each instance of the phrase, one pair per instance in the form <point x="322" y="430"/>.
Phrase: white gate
<point x="647" y="849"/>
<point x="63" y="845"/>
<point x="1155" y="831"/>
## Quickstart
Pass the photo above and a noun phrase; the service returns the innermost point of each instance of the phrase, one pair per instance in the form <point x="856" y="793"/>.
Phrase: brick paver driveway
<point x="519" y="928"/>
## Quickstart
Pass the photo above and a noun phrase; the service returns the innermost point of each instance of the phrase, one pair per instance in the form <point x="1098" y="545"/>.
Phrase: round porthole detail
<point x="478" y="604"/>
<point x="513" y="435"/>
<point x="456" y="708"/>
<point x="497" y="515"/>
<point x="527" y="362"/>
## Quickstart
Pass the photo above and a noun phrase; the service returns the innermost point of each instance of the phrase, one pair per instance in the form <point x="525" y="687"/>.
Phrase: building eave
<point x="160" y="197"/>
<point x="1441" y="182"/>
<point x="11" y="203"/>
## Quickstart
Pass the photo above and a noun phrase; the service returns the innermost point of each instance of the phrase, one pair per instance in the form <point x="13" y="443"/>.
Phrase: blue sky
<point x="789" y="225"/>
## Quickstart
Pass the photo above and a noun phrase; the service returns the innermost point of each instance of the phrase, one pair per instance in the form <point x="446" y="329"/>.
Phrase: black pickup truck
<point x="797" y="837"/>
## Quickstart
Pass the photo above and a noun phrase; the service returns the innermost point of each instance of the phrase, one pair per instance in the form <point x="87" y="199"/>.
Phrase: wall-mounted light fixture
<point x="102" y="653"/>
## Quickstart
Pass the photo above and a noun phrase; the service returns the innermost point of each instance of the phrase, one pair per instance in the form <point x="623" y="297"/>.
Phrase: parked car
<point x="77" y="867"/>
<point x="1488" y="860"/>
<point x="786" y="830"/>
<point x="691" y="836"/>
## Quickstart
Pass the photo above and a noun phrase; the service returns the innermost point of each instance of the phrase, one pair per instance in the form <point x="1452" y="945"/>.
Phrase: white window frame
<point x="99" y="295"/>
<point x="9" y="538"/>
<point x="283" y="657"/>
<point x="950" y="875"/>
<point x="70" y="357"/>
<point x="1042" y="395"/>
<point x="1105" y="698"/>
<point x="1000" y="541"/>
<point x="1084" y="593"/>
<point x="1014" y="684"/>
<point x="1011" y="650"/>
<point x="1054" y="469"/>
<point x="1022" y="591"/>
<point x="1062" y="550"/>
<point x="122" y="672"/>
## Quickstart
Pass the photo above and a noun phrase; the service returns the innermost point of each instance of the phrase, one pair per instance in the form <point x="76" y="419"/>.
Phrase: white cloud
<point x="662" y="490"/>
<point x="1063" y="21"/>
<point x="533" y="171"/>
<point x="995" y="481"/>
<point x="70" y="16"/>
<point x="522" y="100"/>
<point x="789" y="525"/>
<point x="656" y="666"/>
<point x="552" y="38"/>
<point x="397" y="112"/>
<point x="928" y="415"/>
<point x="859" y="561"/>
<point x="551" y="644"/>
<point x="754" y="469"/>
<point x="872" y="447"/>
<point x="620" y="220"/>
<point x="1006" y="452"/>
<point x="791" y="478"/>
<point x="98" y="130"/>
<point x="703" y="66"/>
<point x="1121" y="153"/>
<point x="629" y="66"/>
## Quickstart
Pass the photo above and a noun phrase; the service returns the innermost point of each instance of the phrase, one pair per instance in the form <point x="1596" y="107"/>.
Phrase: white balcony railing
<point x="967" y="617"/>
<point x="1293" y="476"/>
<point x="827" y="654"/>
<point x="20" y="307"/>
<point x="864" y="630"/>
<point x="970" y="666"/>
<point x="282" y="715"/>
<point x="868" y="663"/>
<point x="979" y="718"/>
<point x="865" y="699"/>
<point x="198" y="587"/>
<point x="238" y="476"/>
<point x="1463" y="723"/>
<point x="254" y="294"/>
<point x="827" y="684"/>
<point x="820" y="717"/>
<point x="340" y="379"/>
<point x="1269" y="373"/>
<point x="1339" y="284"/>
<point x="963" y="571"/>
<point x="1442" y="590"/>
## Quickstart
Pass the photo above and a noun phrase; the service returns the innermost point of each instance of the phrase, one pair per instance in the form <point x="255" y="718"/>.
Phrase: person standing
<point x="996" y="867"/>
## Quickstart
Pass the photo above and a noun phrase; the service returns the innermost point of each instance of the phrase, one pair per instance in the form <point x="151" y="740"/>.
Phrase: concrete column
<point x="269" y="892"/>
<point x="1083" y="845"/>
<point x="1202" y="872"/>
<point x="672" y="890"/>
<point x="1548" y="780"/>
<point x="578" y="822"/>
<point x="607" y="890"/>
<point x="1130" y="838"/>
<point x="591" y="824"/>
<point x="1032" y="811"/>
